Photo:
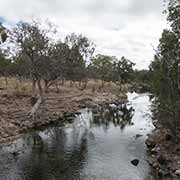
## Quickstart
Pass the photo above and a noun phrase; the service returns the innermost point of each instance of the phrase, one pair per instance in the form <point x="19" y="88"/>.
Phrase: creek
<point x="99" y="144"/>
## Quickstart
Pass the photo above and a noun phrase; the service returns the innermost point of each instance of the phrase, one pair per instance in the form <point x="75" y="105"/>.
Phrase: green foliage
<point x="102" y="66"/>
<point x="109" y="68"/>
<point x="123" y="70"/>
<point x="3" y="34"/>
<point x="165" y="70"/>
<point x="4" y="65"/>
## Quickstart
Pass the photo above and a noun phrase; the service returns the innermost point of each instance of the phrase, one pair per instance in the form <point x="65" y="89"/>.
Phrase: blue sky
<point x="120" y="28"/>
<point x="2" y="20"/>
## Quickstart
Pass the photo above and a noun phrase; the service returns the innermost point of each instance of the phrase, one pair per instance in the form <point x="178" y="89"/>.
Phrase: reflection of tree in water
<point x="60" y="157"/>
<point x="120" y="115"/>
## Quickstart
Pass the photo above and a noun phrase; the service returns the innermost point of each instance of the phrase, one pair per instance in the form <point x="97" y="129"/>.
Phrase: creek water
<point x="99" y="145"/>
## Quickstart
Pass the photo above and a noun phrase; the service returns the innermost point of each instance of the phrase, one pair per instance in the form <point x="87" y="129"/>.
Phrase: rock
<point x="91" y="136"/>
<point x="155" y="165"/>
<point x="177" y="149"/>
<point x="177" y="172"/>
<point x="163" y="172"/>
<point x="150" y="143"/>
<point x="138" y="136"/>
<point x="70" y="119"/>
<point x="155" y="150"/>
<point x="135" y="162"/>
<point x="82" y="106"/>
<point x="15" y="153"/>
<point x="78" y="113"/>
<point x="69" y="115"/>
<point x="168" y="137"/>
<point x="162" y="159"/>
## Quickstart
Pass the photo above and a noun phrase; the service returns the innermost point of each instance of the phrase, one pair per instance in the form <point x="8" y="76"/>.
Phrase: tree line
<point x="32" y="54"/>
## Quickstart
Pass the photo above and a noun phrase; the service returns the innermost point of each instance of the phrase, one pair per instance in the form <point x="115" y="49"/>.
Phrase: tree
<point x="58" y="61"/>
<point x="101" y="66"/>
<point x="4" y="66"/>
<point x="165" y="80"/>
<point x="3" y="34"/>
<point x="32" y="43"/>
<point x="123" y="70"/>
<point x="81" y="50"/>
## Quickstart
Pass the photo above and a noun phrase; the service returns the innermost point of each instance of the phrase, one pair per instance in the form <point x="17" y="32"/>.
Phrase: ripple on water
<point x="97" y="146"/>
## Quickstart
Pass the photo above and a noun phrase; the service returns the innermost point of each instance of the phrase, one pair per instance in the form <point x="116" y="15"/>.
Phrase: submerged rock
<point x="91" y="136"/>
<point x="138" y="136"/>
<point x="135" y="162"/>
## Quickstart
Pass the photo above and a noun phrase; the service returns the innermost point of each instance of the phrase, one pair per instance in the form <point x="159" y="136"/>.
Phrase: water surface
<point x="98" y="145"/>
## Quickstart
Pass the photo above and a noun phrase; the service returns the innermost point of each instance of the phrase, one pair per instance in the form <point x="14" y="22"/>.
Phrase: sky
<point x="118" y="27"/>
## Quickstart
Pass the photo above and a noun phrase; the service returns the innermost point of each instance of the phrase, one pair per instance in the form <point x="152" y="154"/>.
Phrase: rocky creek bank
<point x="58" y="108"/>
<point x="164" y="154"/>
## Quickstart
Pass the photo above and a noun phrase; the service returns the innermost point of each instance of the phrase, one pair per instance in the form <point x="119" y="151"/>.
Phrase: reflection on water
<point x="120" y="115"/>
<point x="98" y="145"/>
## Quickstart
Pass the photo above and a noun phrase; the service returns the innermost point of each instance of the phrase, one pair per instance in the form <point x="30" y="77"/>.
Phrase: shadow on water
<point x="98" y="145"/>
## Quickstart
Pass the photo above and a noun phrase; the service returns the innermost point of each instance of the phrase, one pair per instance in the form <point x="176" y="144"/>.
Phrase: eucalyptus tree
<point x="101" y="68"/>
<point x="122" y="70"/>
<point x="165" y="82"/>
<point x="32" y="46"/>
<point x="4" y="62"/>
<point x="81" y="50"/>
<point x="58" y="55"/>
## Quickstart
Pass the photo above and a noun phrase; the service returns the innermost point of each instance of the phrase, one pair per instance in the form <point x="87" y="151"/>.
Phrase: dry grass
<point x="109" y="87"/>
<point x="17" y="88"/>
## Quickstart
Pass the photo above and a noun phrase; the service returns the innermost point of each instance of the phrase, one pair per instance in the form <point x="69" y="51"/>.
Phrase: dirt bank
<point x="164" y="154"/>
<point x="14" y="118"/>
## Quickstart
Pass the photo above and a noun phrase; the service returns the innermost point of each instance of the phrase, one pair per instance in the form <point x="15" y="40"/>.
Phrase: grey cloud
<point x="144" y="7"/>
<point x="118" y="27"/>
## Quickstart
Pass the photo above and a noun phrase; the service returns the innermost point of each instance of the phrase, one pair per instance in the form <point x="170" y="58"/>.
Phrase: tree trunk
<point x="34" y="88"/>
<point x="57" y="87"/>
<point x="102" y="84"/>
<point x="80" y="83"/>
<point x="71" y="83"/>
<point x="45" y="86"/>
<point x="120" y="85"/>
<point x="62" y="81"/>
<point x="6" y="80"/>
<point x="36" y="106"/>
<point x="39" y="101"/>
<point x="40" y="88"/>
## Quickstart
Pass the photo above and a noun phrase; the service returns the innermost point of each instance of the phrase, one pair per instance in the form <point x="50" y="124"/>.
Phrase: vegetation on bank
<point x="165" y="72"/>
<point x="164" y="78"/>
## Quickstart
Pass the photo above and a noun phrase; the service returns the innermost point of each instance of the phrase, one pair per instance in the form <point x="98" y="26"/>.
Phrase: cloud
<point x="120" y="28"/>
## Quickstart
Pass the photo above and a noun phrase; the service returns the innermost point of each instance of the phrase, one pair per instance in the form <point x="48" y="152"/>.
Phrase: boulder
<point x="135" y="162"/>
<point x="138" y="136"/>
<point x="150" y="143"/>
<point x="177" y="172"/>
<point x="168" y="137"/>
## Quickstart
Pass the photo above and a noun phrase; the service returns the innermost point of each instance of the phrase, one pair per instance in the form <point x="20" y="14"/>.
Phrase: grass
<point x="17" y="88"/>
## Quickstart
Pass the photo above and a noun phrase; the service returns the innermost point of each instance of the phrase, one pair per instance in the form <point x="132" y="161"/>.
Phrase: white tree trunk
<point x="36" y="106"/>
